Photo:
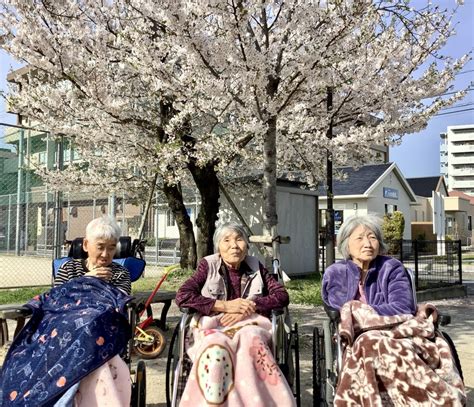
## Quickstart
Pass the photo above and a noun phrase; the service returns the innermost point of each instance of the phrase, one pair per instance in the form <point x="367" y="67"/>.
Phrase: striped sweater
<point x="77" y="268"/>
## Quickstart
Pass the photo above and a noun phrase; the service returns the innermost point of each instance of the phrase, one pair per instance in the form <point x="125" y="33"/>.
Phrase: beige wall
<point x="422" y="228"/>
<point x="423" y="211"/>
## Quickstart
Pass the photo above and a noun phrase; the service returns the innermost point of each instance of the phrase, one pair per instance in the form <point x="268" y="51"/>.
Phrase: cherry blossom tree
<point x="103" y="76"/>
<point x="208" y="87"/>
<point x="310" y="83"/>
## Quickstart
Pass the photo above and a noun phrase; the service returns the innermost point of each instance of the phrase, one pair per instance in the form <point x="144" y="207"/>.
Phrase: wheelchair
<point x="285" y="349"/>
<point x="328" y="349"/>
<point x="129" y="255"/>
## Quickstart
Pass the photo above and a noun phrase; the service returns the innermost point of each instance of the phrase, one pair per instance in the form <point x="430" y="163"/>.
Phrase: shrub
<point x="393" y="227"/>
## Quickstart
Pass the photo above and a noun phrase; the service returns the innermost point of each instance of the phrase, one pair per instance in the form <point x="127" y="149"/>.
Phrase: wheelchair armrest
<point x="333" y="314"/>
<point x="187" y="310"/>
<point x="277" y="312"/>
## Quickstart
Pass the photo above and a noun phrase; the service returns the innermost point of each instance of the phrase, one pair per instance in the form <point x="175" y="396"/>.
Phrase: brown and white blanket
<point x="397" y="360"/>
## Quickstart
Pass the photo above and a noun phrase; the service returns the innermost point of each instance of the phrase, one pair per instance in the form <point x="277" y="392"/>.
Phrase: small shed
<point x="297" y="210"/>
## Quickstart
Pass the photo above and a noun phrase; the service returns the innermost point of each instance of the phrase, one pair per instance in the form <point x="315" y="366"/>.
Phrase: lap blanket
<point x="233" y="366"/>
<point x="397" y="360"/>
<point x="74" y="329"/>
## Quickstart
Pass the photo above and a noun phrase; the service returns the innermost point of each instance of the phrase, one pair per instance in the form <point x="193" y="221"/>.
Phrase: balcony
<point x="454" y="184"/>
<point x="465" y="136"/>
<point x="461" y="148"/>
<point x="454" y="160"/>
<point x="457" y="172"/>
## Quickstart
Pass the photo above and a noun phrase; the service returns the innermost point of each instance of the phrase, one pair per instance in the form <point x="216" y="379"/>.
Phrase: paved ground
<point x="461" y="331"/>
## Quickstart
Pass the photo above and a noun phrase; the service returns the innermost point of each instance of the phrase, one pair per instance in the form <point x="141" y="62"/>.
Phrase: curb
<point x="442" y="293"/>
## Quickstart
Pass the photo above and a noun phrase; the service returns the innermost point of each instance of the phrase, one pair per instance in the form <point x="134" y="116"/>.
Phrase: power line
<point x="457" y="106"/>
<point x="463" y="72"/>
<point x="458" y="111"/>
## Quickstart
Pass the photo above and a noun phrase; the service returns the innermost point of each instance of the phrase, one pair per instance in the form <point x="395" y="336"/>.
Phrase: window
<point x="389" y="208"/>
<point x="469" y="223"/>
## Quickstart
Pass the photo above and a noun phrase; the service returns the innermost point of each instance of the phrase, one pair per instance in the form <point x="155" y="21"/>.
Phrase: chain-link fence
<point x="36" y="223"/>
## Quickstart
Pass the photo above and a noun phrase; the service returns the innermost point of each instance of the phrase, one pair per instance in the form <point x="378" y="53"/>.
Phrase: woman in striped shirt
<point x="100" y="243"/>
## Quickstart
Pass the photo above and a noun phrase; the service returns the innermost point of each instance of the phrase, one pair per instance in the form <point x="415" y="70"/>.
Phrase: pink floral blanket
<point x="396" y="361"/>
<point x="233" y="366"/>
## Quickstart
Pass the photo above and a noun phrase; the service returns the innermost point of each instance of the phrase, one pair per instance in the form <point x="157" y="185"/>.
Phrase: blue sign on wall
<point x="390" y="193"/>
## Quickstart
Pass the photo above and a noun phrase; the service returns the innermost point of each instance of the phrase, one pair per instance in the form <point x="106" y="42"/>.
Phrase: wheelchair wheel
<point x="318" y="371"/>
<point x="324" y="371"/>
<point x="150" y="348"/>
<point x="171" y="363"/>
<point x="139" y="386"/>
<point x="454" y="352"/>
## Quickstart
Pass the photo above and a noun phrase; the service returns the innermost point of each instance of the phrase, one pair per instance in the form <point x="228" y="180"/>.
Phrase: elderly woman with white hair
<point x="76" y="333"/>
<point x="366" y="274"/>
<point x="100" y="243"/>
<point x="392" y="356"/>
<point x="233" y="294"/>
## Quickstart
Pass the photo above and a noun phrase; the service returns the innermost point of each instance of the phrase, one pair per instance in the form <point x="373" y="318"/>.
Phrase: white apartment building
<point x="457" y="158"/>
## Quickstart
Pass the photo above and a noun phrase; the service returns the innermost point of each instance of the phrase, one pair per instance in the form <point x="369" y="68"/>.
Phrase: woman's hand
<point x="104" y="273"/>
<point x="231" y="319"/>
<point x="239" y="306"/>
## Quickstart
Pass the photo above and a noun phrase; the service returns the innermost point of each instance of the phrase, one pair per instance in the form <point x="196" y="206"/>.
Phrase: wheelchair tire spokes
<point x="318" y="359"/>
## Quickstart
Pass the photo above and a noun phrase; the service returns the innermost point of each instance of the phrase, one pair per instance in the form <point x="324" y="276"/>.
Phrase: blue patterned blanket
<point x="74" y="329"/>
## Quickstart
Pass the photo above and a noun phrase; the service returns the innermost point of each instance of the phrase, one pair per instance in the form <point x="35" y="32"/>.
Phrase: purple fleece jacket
<point x="387" y="286"/>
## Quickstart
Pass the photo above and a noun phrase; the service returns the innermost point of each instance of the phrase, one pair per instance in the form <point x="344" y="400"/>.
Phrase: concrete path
<point x="461" y="330"/>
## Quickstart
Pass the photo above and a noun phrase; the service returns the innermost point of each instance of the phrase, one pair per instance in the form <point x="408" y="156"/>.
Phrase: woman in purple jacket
<point x="366" y="274"/>
<point x="390" y="357"/>
<point x="234" y="295"/>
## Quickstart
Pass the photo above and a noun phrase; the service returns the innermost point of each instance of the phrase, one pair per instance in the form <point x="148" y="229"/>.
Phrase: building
<point x="459" y="208"/>
<point x="377" y="189"/>
<point x="297" y="211"/>
<point x="457" y="158"/>
<point x="424" y="213"/>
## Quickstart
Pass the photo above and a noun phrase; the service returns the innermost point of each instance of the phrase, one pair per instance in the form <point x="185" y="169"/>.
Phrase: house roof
<point x="461" y="194"/>
<point x="363" y="180"/>
<point x="424" y="186"/>
<point x="358" y="181"/>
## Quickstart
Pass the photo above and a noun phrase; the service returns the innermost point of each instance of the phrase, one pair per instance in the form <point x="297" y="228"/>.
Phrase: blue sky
<point x="418" y="155"/>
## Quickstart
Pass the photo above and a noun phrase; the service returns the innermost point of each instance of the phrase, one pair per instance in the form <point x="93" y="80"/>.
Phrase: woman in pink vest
<point x="230" y="345"/>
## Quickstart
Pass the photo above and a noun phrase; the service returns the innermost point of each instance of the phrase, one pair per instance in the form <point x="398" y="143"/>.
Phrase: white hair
<point x="371" y="222"/>
<point x="223" y="229"/>
<point x="104" y="227"/>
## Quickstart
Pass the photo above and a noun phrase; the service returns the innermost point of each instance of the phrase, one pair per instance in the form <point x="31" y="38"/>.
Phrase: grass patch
<point x="302" y="290"/>
<point x="174" y="280"/>
<point x="305" y="290"/>
<point x="20" y="295"/>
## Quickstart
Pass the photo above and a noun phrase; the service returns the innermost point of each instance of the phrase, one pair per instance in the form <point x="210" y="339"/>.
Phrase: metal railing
<point x="435" y="263"/>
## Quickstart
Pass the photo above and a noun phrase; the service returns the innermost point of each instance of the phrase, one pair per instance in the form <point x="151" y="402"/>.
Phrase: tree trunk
<point x="208" y="185"/>
<point x="186" y="235"/>
<point x="270" y="218"/>
<point x="330" y="249"/>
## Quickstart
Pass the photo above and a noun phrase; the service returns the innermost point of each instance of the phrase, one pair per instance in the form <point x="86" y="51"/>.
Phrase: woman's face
<point x="363" y="246"/>
<point x="232" y="248"/>
<point x="100" y="252"/>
